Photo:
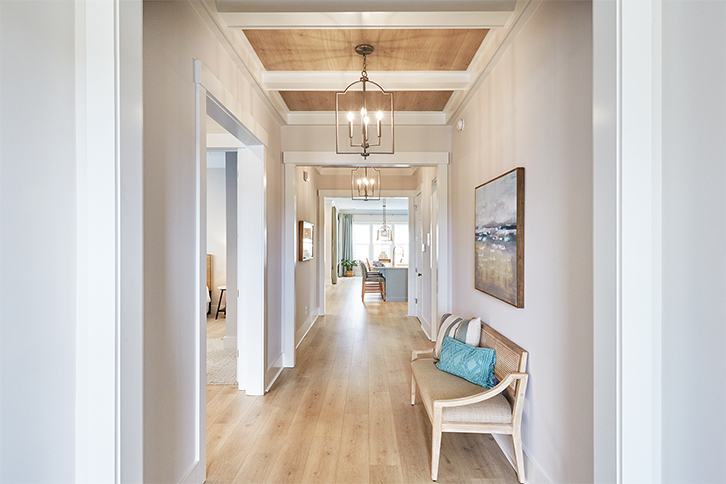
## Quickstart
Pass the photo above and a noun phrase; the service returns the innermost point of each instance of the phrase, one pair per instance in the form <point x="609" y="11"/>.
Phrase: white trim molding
<point x="330" y="158"/>
<point x="627" y="234"/>
<point x="369" y="20"/>
<point x="110" y="271"/>
<point x="403" y="118"/>
<point x="305" y="329"/>
<point x="273" y="372"/>
<point x="393" y="80"/>
<point x="533" y="471"/>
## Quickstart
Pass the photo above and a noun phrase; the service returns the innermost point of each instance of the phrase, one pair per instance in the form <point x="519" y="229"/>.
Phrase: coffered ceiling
<point x="430" y="54"/>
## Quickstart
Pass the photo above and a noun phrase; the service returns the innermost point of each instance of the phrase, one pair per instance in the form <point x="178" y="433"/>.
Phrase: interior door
<point x="418" y="258"/>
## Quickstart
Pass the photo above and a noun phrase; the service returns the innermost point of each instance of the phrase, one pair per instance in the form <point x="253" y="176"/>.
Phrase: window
<point x="361" y="241"/>
<point x="365" y="245"/>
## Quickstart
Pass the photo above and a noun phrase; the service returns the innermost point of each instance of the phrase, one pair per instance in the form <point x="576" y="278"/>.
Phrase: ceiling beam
<point x="365" y="20"/>
<point x="330" y="158"/>
<point x="389" y="80"/>
<point x="407" y="118"/>
<point x="366" y="6"/>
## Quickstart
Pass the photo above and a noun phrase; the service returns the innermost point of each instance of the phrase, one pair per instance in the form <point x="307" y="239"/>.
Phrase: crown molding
<point x="390" y="80"/>
<point x="403" y="118"/>
<point x="331" y="158"/>
<point x="366" y="20"/>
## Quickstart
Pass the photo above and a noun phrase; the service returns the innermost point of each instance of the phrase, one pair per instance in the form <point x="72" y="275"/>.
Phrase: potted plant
<point x="349" y="265"/>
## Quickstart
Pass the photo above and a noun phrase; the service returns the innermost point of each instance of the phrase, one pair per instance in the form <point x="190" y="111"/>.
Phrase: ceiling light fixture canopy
<point x="354" y="114"/>
<point x="364" y="184"/>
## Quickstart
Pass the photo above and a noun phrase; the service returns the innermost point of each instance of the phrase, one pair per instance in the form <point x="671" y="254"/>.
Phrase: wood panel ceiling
<point x="395" y="49"/>
<point x="431" y="53"/>
<point x="297" y="50"/>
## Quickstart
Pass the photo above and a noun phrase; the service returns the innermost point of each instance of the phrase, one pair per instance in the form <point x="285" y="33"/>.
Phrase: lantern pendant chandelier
<point x="384" y="233"/>
<point x="365" y="184"/>
<point x="356" y="129"/>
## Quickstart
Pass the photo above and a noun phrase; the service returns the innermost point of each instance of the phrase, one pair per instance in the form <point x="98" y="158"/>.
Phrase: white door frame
<point x="418" y="229"/>
<point x="324" y="197"/>
<point x="290" y="160"/>
<point x="250" y="367"/>
<point x="434" y="229"/>
<point x="627" y="227"/>
<point x="110" y="264"/>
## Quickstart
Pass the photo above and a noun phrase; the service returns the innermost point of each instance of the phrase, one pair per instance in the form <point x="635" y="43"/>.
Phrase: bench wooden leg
<point x="436" y="443"/>
<point x="518" y="456"/>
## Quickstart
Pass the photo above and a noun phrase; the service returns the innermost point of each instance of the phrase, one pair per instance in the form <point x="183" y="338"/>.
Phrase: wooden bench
<point x="456" y="405"/>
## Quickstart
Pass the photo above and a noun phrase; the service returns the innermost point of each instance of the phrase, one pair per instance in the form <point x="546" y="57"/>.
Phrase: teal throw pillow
<point x="469" y="362"/>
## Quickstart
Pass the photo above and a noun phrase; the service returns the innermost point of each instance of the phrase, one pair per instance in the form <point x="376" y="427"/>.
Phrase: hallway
<point x="343" y="415"/>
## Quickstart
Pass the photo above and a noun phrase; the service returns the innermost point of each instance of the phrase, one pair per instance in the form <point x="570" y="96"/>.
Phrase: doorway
<point x="221" y="263"/>
<point x="250" y="234"/>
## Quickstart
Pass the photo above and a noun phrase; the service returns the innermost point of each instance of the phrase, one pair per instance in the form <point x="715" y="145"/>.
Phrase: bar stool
<point x="219" y="304"/>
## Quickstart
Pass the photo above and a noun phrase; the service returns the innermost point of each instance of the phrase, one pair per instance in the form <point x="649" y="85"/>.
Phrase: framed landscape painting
<point x="499" y="238"/>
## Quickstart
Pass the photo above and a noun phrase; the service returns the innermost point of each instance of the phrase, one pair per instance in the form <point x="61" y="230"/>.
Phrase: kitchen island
<point x="396" y="283"/>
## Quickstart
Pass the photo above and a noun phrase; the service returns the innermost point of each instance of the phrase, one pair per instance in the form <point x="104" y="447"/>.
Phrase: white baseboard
<point x="532" y="472"/>
<point x="229" y="342"/>
<point x="305" y="329"/>
<point x="195" y="475"/>
<point x="273" y="372"/>
<point x="426" y="327"/>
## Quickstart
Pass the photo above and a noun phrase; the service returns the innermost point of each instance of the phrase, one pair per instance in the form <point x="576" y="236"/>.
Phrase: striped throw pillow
<point x="465" y="330"/>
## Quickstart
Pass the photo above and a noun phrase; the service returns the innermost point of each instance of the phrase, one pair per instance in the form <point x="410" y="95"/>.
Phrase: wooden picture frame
<point x="306" y="238"/>
<point x="499" y="237"/>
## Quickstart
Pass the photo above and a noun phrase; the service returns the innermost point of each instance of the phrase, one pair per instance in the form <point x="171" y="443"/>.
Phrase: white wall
<point x="217" y="227"/>
<point x="408" y="138"/>
<point x="38" y="242"/>
<point x="306" y="274"/>
<point x="175" y="35"/>
<point x="535" y="111"/>
<point x="694" y="242"/>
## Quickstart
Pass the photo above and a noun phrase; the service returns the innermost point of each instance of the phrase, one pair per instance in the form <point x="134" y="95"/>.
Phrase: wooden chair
<point x="455" y="405"/>
<point x="372" y="282"/>
<point x="370" y="268"/>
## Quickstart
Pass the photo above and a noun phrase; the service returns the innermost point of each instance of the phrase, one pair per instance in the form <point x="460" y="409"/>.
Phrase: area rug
<point x="221" y="364"/>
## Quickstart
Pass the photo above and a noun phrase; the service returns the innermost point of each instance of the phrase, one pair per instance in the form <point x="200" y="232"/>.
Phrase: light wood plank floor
<point x="343" y="414"/>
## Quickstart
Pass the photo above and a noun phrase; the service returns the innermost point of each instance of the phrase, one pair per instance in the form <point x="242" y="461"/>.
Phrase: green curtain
<point x="334" y="245"/>
<point x="346" y="222"/>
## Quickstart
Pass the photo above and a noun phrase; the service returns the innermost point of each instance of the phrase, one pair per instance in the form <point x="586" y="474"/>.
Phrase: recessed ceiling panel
<point x="395" y="49"/>
<point x="403" y="101"/>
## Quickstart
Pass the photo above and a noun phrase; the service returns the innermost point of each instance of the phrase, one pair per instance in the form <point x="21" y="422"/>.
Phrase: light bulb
<point x="362" y="112"/>
<point x="379" y="116"/>
<point x="359" y="181"/>
<point x="366" y="120"/>
<point x="365" y="180"/>
<point x="350" y="116"/>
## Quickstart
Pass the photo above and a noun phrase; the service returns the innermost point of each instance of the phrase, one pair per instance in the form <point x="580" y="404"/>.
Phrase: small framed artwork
<point x="499" y="238"/>
<point x="306" y="240"/>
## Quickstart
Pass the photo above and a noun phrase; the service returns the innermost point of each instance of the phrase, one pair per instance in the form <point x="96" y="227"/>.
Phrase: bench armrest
<point x="416" y="354"/>
<point x="480" y="397"/>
